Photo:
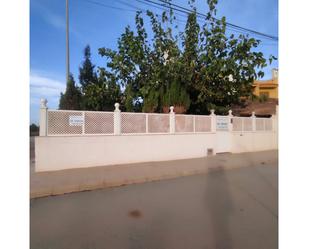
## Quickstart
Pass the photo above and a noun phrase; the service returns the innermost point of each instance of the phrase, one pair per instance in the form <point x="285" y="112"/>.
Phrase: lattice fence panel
<point x="268" y="124"/>
<point x="59" y="123"/>
<point x="247" y="124"/>
<point x="133" y="123"/>
<point x="237" y="124"/>
<point x="202" y="123"/>
<point x="99" y="122"/>
<point x="158" y="123"/>
<point x="184" y="123"/>
<point x="260" y="124"/>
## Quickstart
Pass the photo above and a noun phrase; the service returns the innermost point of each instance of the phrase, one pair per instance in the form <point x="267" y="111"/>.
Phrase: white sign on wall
<point x="222" y="123"/>
<point x="76" y="120"/>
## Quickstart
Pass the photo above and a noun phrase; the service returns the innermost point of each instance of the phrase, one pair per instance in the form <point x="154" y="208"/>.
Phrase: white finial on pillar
<point x="43" y="103"/>
<point x="253" y="114"/>
<point x="212" y="112"/>
<point x="171" y="109"/>
<point x="117" y="107"/>
<point x="230" y="113"/>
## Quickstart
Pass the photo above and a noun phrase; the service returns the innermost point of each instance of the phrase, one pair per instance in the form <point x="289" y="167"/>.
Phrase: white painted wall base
<point x="58" y="153"/>
<point x="253" y="141"/>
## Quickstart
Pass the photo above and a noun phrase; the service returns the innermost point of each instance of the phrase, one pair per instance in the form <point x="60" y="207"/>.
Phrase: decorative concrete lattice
<point x="59" y="123"/>
<point x="184" y="123"/>
<point x="247" y="124"/>
<point x="268" y="124"/>
<point x="99" y="122"/>
<point x="202" y="123"/>
<point x="158" y="123"/>
<point x="237" y="124"/>
<point x="260" y="124"/>
<point x="133" y="122"/>
<point x="67" y="122"/>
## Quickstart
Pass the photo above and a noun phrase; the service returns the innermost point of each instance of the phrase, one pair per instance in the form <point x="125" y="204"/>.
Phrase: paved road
<point x="224" y="209"/>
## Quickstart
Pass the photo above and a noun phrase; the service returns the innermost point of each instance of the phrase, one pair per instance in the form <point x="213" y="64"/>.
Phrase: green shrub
<point x="34" y="130"/>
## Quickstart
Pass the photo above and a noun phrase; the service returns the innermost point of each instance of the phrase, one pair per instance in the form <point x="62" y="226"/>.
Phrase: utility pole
<point x="67" y="42"/>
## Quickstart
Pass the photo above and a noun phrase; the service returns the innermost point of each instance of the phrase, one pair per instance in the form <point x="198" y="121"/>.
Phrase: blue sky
<point x="101" y="26"/>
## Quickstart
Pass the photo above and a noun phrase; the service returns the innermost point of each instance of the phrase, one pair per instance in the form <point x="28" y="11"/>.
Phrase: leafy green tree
<point x="89" y="82"/>
<point x="129" y="64"/>
<point x="103" y="95"/>
<point x="98" y="92"/>
<point x="190" y="58"/>
<point x="87" y="74"/>
<point x="71" y="99"/>
<point x="34" y="130"/>
<point x="147" y="71"/>
<point x="208" y="69"/>
<point x="228" y="65"/>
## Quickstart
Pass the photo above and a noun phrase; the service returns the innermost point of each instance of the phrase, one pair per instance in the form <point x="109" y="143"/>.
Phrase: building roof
<point x="273" y="82"/>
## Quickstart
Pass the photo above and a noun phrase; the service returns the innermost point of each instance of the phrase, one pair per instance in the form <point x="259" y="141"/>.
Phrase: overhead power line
<point x="162" y="5"/>
<point x="108" y="6"/>
<point x="135" y="8"/>
<point x="186" y="10"/>
<point x="232" y="29"/>
<point x="229" y="26"/>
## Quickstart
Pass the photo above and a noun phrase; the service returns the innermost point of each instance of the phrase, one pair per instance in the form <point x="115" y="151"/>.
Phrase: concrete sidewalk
<point x="75" y="180"/>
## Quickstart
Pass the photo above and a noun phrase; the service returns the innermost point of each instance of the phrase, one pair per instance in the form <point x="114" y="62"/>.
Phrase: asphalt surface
<point x="223" y="209"/>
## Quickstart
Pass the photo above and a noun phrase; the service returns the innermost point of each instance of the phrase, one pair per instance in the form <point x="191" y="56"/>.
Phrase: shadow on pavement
<point x="219" y="205"/>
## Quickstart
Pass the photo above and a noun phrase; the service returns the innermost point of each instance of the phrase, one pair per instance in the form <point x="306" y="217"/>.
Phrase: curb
<point x="80" y="187"/>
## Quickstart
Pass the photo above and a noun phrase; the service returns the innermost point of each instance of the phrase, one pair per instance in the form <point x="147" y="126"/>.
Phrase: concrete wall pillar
<point x="253" y="117"/>
<point x="117" y="120"/>
<point x="230" y="116"/>
<point x="213" y="120"/>
<point x="172" y="120"/>
<point x="275" y="119"/>
<point x="43" y="117"/>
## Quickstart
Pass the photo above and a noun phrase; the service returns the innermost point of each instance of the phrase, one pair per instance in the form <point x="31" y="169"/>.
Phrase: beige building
<point x="268" y="88"/>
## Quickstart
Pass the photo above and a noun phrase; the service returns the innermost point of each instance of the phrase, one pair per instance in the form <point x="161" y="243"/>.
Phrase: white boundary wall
<point x="56" y="153"/>
<point x="76" y="151"/>
<point x="253" y="141"/>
